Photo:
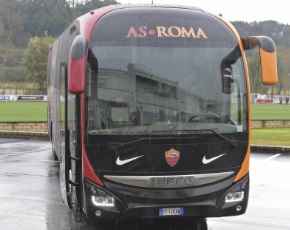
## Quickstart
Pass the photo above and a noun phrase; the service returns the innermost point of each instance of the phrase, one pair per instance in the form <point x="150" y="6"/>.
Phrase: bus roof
<point x="88" y="20"/>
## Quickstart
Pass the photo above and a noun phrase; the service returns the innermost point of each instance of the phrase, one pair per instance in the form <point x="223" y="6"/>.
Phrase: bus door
<point x="70" y="139"/>
<point x="64" y="136"/>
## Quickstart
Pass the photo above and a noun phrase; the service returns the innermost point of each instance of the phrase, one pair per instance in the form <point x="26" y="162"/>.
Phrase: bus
<point x="149" y="112"/>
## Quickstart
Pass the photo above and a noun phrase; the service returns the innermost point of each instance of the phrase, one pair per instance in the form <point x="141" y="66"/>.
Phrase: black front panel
<point x="164" y="96"/>
<point x="170" y="155"/>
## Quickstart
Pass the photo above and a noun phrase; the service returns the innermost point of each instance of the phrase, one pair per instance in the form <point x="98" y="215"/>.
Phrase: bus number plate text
<point x="171" y="211"/>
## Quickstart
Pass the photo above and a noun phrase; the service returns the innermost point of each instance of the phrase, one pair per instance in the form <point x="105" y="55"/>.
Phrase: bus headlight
<point x="234" y="197"/>
<point x="103" y="201"/>
<point x="99" y="196"/>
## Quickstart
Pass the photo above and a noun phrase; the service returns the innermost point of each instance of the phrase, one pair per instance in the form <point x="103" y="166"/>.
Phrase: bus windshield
<point x="172" y="85"/>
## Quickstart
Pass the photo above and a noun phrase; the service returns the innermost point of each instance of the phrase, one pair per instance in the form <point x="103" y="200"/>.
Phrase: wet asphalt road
<point x="30" y="196"/>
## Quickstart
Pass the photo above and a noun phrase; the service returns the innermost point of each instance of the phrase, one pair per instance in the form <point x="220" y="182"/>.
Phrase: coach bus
<point x="149" y="112"/>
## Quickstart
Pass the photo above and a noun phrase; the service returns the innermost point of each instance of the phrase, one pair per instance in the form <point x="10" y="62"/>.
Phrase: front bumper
<point x="136" y="203"/>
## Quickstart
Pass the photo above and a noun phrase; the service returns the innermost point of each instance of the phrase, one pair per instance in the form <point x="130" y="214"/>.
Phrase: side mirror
<point x="267" y="57"/>
<point x="77" y="65"/>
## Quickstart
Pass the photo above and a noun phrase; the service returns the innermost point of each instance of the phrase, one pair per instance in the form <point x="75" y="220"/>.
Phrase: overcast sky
<point x="245" y="10"/>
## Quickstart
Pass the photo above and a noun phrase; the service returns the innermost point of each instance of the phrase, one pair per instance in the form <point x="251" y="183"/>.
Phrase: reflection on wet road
<point x="30" y="195"/>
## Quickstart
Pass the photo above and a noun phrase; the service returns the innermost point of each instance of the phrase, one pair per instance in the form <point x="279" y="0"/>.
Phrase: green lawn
<point x="270" y="112"/>
<point x="23" y="111"/>
<point x="274" y="136"/>
<point x="36" y="111"/>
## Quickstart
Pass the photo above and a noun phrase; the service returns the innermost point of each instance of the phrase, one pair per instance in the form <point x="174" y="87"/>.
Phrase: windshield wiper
<point x="139" y="140"/>
<point x="118" y="145"/>
<point x="228" y="141"/>
<point x="128" y="143"/>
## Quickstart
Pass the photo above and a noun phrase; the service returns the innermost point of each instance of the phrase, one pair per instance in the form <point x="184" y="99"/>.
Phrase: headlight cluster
<point x="100" y="197"/>
<point x="234" y="197"/>
<point x="103" y="201"/>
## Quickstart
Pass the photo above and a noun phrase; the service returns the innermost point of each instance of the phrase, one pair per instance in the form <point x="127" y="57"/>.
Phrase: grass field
<point x="275" y="136"/>
<point x="270" y="112"/>
<point x="23" y="111"/>
<point x="36" y="111"/>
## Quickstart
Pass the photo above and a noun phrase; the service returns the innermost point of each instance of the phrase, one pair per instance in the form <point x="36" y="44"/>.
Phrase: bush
<point x="14" y="74"/>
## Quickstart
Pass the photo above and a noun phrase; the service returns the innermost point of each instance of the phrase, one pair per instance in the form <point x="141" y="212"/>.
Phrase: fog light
<point x="98" y="213"/>
<point x="239" y="208"/>
<point x="234" y="197"/>
<point x="102" y="201"/>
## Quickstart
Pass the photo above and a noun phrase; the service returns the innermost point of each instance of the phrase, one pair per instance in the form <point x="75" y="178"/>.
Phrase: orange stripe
<point x="246" y="163"/>
<point x="245" y="167"/>
<point x="88" y="170"/>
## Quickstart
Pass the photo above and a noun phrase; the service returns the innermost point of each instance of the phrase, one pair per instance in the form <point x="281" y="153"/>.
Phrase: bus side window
<point x="93" y="122"/>
<point x="92" y="73"/>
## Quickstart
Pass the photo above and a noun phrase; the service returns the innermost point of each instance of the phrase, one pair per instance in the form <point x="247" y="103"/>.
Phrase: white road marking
<point x="30" y="151"/>
<point x="272" y="157"/>
<point x="44" y="200"/>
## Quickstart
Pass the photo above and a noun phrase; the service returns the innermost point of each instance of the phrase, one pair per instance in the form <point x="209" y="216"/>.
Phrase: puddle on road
<point x="20" y="147"/>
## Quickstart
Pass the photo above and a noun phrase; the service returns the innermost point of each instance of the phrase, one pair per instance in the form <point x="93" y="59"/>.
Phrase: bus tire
<point x="54" y="155"/>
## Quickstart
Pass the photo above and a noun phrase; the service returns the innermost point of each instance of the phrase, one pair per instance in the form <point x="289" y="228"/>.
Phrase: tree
<point x="35" y="60"/>
<point x="10" y="22"/>
<point x="283" y="59"/>
<point x="85" y="6"/>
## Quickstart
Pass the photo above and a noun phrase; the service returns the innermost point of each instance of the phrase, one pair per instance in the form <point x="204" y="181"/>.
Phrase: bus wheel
<point x="201" y="224"/>
<point x="73" y="195"/>
<point x="54" y="156"/>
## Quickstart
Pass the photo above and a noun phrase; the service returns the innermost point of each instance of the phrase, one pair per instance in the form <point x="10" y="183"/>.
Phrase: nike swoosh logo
<point x="122" y="162"/>
<point x="207" y="161"/>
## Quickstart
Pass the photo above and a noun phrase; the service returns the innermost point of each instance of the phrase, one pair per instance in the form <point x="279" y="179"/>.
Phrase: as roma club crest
<point x="172" y="157"/>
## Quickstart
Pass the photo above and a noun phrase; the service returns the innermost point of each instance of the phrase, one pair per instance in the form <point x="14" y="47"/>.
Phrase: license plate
<point x="170" y="211"/>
